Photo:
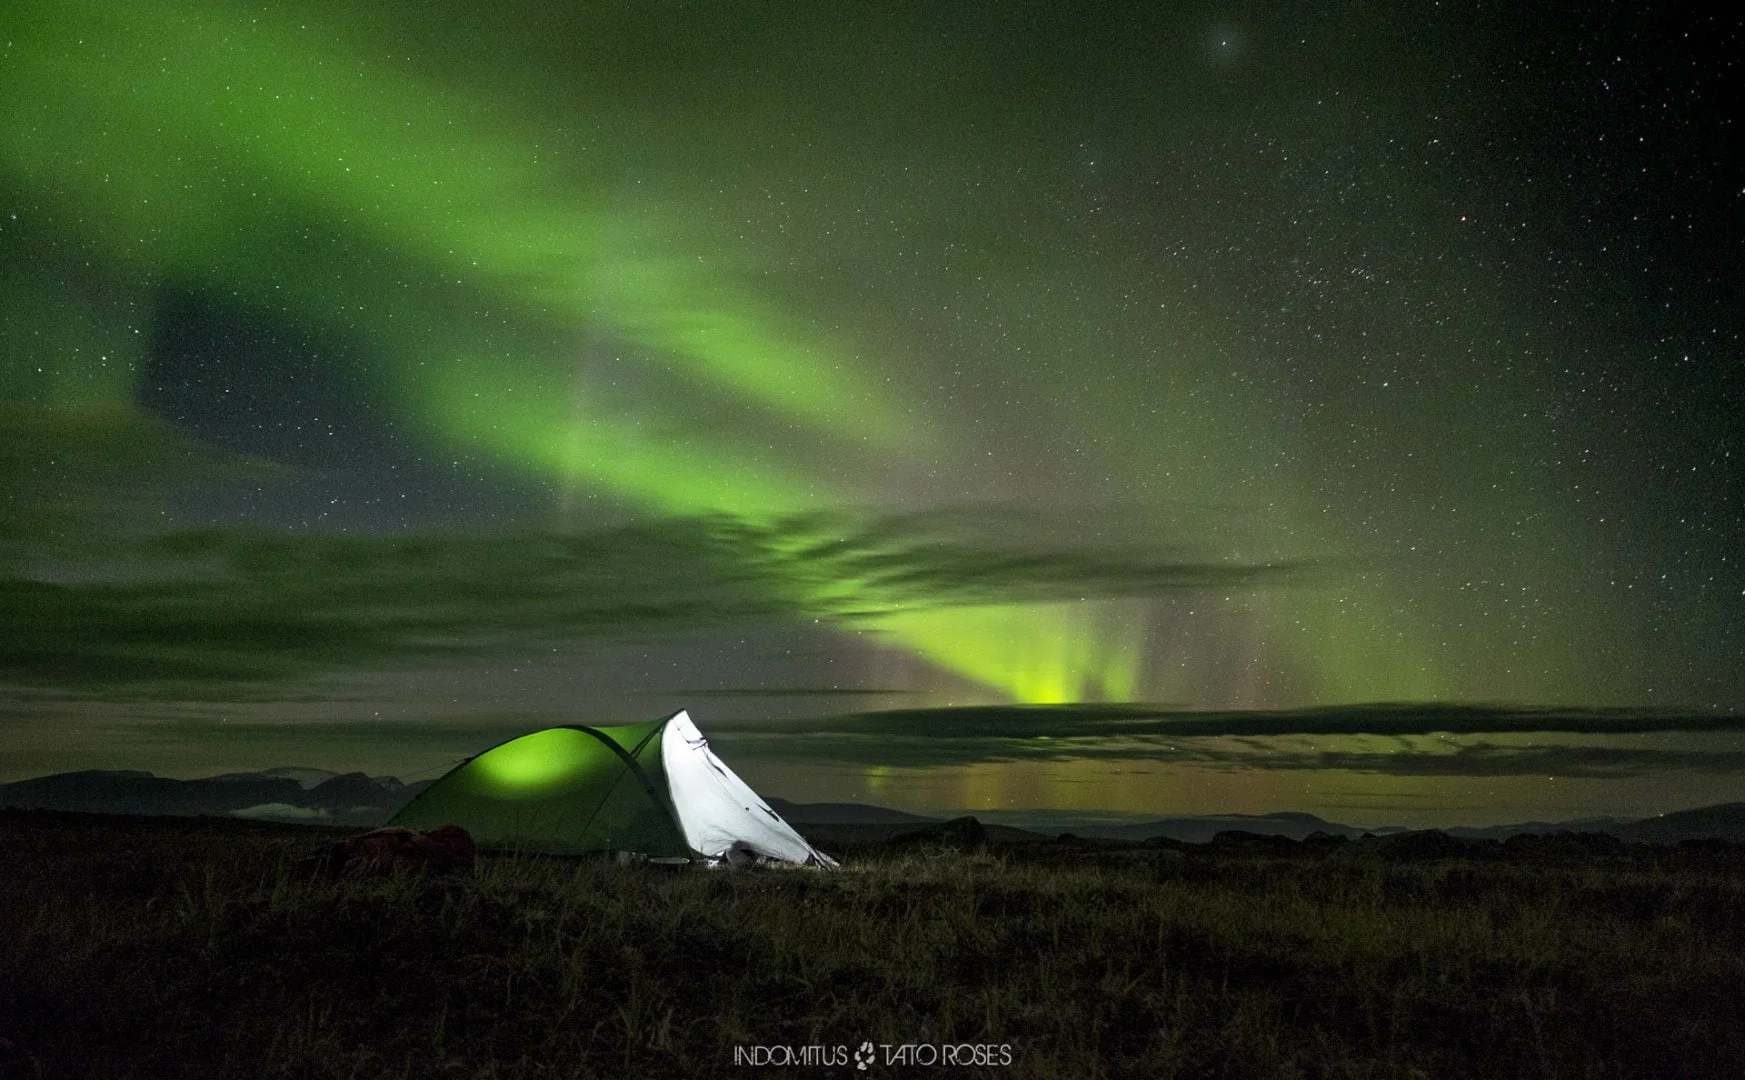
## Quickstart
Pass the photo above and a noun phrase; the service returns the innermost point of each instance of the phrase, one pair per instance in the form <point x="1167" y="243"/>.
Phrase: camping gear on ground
<point x="393" y="850"/>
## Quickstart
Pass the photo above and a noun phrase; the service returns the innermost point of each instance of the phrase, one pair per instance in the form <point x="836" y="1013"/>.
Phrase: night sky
<point x="897" y="387"/>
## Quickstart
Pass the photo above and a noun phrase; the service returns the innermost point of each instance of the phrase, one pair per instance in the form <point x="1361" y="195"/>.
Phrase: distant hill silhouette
<point x="1202" y="829"/>
<point x="319" y="796"/>
<point x="1723" y="822"/>
<point x="276" y="794"/>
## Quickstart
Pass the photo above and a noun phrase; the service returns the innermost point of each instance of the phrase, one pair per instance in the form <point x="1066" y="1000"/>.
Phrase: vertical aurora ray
<point x="1037" y="654"/>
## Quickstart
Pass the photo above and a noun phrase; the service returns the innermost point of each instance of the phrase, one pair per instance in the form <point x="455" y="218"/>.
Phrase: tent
<point x="655" y="789"/>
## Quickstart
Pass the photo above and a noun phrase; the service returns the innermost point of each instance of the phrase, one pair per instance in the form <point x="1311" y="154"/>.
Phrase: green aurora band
<point x="479" y="255"/>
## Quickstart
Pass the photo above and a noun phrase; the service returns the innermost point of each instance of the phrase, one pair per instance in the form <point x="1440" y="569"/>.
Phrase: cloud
<point x="470" y="734"/>
<point x="988" y="554"/>
<point x="1112" y="720"/>
<point x="1472" y="760"/>
<point x="1331" y="739"/>
<point x="176" y="612"/>
<point x="1483" y="759"/>
<point x="786" y="692"/>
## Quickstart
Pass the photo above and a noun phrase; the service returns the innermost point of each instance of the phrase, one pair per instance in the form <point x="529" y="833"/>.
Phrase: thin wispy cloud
<point x="1112" y="720"/>
<point x="1395" y="740"/>
<point x="1470" y="760"/>
<point x="225" y="607"/>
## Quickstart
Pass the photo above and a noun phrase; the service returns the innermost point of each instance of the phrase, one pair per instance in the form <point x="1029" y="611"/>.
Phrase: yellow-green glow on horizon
<point x="1036" y="654"/>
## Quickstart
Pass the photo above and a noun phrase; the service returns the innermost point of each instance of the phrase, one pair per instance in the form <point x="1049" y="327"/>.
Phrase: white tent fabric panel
<point x="718" y="811"/>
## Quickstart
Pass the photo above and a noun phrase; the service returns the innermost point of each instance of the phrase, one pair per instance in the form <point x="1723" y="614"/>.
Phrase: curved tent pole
<point x="629" y="759"/>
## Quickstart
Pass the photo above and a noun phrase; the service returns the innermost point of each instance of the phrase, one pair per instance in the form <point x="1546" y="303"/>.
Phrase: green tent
<point x="655" y="789"/>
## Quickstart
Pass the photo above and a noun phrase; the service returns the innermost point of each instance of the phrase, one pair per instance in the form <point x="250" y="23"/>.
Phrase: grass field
<point x="166" y="948"/>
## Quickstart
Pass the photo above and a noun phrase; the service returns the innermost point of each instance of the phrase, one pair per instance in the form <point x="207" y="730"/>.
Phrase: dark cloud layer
<point x="1476" y="760"/>
<point x="1165" y="756"/>
<point x="1131" y="720"/>
<point x="939" y="738"/>
<point x="1483" y="759"/>
<point x="229" y="606"/>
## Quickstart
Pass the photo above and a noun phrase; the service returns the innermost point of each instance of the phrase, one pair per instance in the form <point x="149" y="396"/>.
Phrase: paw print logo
<point x="863" y="1057"/>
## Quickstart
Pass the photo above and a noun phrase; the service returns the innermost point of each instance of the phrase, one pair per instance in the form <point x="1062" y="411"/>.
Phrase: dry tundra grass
<point x="140" y="948"/>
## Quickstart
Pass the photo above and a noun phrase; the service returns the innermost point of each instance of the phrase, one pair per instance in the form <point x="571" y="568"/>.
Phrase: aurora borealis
<point x="378" y="383"/>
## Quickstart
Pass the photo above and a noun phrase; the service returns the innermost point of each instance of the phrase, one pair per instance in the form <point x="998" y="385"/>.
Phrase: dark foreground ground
<point x="172" y="948"/>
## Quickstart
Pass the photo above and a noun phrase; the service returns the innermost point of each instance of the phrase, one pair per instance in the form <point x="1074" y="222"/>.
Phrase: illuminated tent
<point x="654" y="789"/>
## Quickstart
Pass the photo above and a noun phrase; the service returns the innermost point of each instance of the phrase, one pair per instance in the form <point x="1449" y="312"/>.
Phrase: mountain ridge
<point x="320" y="796"/>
